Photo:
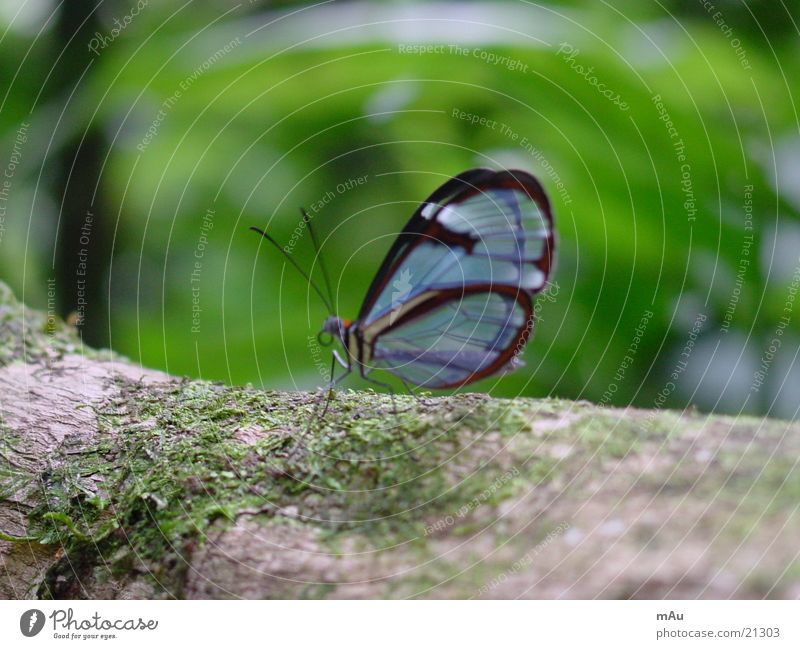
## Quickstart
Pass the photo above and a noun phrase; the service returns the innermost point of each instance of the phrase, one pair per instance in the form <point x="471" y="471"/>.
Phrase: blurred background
<point x="139" y="140"/>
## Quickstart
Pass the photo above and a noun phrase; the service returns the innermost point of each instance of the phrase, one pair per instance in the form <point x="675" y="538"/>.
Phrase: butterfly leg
<point x="332" y="383"/>
<point x="404" y="441"/>
<point x="420" y="401"/>
<point x="388" y="387"/>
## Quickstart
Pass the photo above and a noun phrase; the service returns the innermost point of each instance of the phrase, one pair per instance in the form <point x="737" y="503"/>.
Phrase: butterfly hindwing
<point x="453" y="337"/>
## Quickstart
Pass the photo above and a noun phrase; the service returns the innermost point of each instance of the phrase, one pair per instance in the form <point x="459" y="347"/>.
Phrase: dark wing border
<point x="443" y="296"/>
<point x="455" y="190"/>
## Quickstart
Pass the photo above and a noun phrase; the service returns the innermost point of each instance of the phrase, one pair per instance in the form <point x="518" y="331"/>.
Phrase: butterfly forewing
<point x="486" y="234"/>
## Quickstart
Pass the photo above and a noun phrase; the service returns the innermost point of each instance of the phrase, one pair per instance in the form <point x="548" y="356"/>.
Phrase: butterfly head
<point x="335" y="327"/>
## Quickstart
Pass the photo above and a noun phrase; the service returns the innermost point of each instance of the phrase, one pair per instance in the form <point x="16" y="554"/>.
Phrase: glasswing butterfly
<point x="452" y="302"/>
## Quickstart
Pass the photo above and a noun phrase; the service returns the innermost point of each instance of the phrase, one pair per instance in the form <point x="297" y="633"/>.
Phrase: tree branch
<point x="119" y="482"/>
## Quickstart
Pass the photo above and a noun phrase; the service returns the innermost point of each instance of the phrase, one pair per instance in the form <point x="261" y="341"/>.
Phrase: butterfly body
<point x="452" y="302"/>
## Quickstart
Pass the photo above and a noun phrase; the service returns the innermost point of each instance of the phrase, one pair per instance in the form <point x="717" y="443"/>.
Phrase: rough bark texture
<point x="121" y="482"/>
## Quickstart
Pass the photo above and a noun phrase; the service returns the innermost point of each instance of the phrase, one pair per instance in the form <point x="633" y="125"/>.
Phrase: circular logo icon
<point x="31" y="622"/>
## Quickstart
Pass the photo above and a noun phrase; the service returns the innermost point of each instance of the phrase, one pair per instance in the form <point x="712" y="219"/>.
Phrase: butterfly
<point x="452" y="302"/>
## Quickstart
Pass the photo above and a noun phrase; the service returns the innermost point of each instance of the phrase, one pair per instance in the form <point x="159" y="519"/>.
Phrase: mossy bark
<point x="120" y="482"/>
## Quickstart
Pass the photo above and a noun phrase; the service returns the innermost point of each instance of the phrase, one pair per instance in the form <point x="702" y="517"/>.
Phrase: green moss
<point x="29" y="335"/>
<point x="12" y="478"/>
<point x="771" y="482"/>
<point x="174" y="465"/>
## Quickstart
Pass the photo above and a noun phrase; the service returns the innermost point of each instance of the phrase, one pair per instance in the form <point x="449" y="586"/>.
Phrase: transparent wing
<point x="452" y="340"/>
<point x="496" y="230"/>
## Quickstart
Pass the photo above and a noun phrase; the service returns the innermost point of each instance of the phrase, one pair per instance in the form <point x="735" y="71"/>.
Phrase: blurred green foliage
<point x="248" y="136"/>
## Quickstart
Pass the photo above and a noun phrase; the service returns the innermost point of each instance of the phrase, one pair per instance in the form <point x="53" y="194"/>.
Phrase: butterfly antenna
<point x="318" y="251"/>
<point x="294" y="263"/>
